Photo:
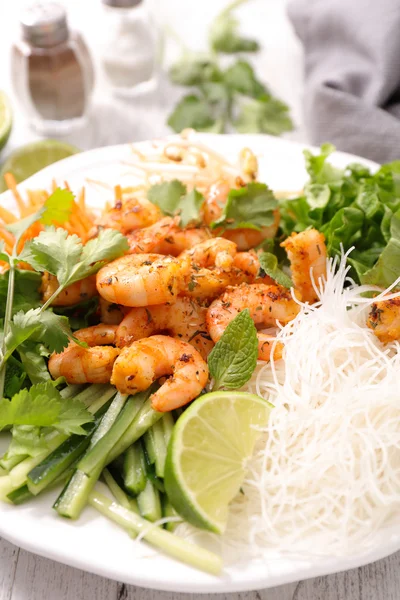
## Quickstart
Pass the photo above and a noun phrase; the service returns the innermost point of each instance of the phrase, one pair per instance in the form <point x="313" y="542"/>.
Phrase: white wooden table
<point x="24" y="576"/>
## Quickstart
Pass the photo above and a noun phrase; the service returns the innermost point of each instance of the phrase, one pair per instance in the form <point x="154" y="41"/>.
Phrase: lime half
<point x="207" y="455"/>
<point x="31" y="158"/>
<point x="5" y="119"/>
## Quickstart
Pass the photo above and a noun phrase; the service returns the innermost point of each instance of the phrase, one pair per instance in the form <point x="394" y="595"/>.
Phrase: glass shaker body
<point x="53" y="83"/>
<point x="129" y="50"/>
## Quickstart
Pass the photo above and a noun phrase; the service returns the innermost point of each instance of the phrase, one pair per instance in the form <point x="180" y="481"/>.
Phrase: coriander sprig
<point x="223" y="97"/>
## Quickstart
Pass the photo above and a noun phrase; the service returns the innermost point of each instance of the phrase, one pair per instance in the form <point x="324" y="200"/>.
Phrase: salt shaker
<point x="52" y="71"/>
<point x="130" y="46"/>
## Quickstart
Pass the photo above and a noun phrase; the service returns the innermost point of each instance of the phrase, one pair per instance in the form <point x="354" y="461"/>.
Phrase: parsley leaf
<point x="250" y="207"/>
<point x="224" y="35"/>
<point x="264" y="115"/>
<point x="173" y="199"/>
<point x="193" y="112"/>
<point x="234" y="357"/>
<point x="269" y="264"/>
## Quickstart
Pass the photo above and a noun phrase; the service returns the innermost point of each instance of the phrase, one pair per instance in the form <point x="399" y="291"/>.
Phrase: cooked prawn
<point x="165" y="237"/>
<point x="307" y="254"/>
<point x="185" y="319"/>
<point x="146" y="360"/>
<point x="142" y="279"/>
<point x="268" y="304"/>
<point x="110" y="313"/>
<point x="87" y="365"/>
<point x="73" y="294"/>
<point x="244" y="238"/>
<point x="130" y="213"/>
<point x="384" y="319"/>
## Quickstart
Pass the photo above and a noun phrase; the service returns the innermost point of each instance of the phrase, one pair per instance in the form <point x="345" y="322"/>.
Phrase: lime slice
<point x="31" y="158"/>
<point x="5" y="119"/>
<point x="207" y="455"/>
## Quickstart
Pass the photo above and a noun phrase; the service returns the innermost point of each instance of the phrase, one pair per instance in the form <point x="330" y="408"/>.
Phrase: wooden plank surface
<point x="24" y="576"/>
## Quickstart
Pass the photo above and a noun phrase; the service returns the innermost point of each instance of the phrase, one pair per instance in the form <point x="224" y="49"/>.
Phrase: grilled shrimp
<point x="73" y="294"/>
<point x="165" y="237"/>
<point x="307" y="254"/>
<point x="384" y="319"/>
<point x="244" y="238"/>
<point x="110" y="313"/>
<point x="185" y="319"/>
<point x="142" y="279"/>
<point x="130" y="213"/>
<point x="87" y="365"/>
<point x="146" y="360"/>
<point x="267" y="305"/>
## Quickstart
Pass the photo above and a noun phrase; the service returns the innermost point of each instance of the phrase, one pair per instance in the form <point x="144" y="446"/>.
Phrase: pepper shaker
<point x="130" y="47"/>
<point x="52" y="71"/>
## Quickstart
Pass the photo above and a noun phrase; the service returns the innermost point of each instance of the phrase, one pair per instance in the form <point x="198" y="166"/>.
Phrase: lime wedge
<point x="207" y="455"/>
<point x="31" y="158"/>
<point x="5" y="119"/>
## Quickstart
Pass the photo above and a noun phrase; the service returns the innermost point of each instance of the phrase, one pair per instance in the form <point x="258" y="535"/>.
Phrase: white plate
<point x="93" y="543"/>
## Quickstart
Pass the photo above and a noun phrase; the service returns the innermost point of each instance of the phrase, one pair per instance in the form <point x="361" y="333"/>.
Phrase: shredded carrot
<point x="7" y="238"/>
<point x="7" y="216"/>
<point x="118" y="193"/>
<point x="12" y="185"/>
<point x="30" y="233"/>
<point x="53" y="185"/>
<point x="81" y="200"/>
<point x="84" y="217"/>
<point x="66" y="185"/>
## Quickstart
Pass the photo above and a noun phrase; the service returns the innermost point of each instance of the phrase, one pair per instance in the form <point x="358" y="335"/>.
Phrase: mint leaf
<point x="224" y="35"/>
<point x="234" y="357"/>
<point x="251" y="206"/>
<point x="191" y="112"/>
<point x="43" y="406"/>
<point x="264" y="115"/>
<point x="173" y="199"/>
<point x="269" y="264"/>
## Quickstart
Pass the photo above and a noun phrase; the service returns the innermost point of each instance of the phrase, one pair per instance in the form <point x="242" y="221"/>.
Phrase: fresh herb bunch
<point x="225" y="97"/>
<point x="354" y="208"/>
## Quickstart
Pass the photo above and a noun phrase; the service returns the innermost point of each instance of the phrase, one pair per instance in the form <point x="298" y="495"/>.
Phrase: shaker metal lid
<point x="122" y="3"/>
<point x="44" y="24"/>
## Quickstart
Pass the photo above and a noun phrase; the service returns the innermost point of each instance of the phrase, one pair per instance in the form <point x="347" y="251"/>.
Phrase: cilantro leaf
<point x="264" y="115"/>
<point x="32" y="358"/>
<point x="234" y="357"/>
<point x="40" y="326"/>
<point x="26" y="441"/>
<point x="39" y="407"/>
<point x="194" y="68"/>
<point x="269" y="264"/>
<point x="240" y="77"/>
<point x="251" y="207"/>
<point x="26" y="290"/>
<point x="65" y="257"/>
<point x="14" y="378"/>
<point x="173" y="199"/>
<point x="224" y="35"/>
<point x="191" y="112"/>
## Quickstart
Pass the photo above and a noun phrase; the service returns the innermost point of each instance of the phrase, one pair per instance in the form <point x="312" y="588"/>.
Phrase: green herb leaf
<point x="240" y="77"/>
<point x="265" y="115"/>
<point x="26" y="290"/>
<point x="319" y="170"/>
<point x="191" y="112"/>
<point x="224" y="35"/>
<point x="173" y="199"/>
<point x="234" y="357"/>
<point x="269" y="264"/>
<point x="26" y="441"/>
<point x="252" y="207"/>
<point x="32" y="358"/>
<point x="194" y="69"/>
<point x="14" y="378"/>
<point x="43" y="406"/>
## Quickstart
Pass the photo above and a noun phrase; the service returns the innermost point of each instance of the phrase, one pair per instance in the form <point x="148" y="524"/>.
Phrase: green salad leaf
<point x="174" y="199"/>
<point x="234" y="357"/>
<point x="354" y="208"/>
<point x="251" y="206"/>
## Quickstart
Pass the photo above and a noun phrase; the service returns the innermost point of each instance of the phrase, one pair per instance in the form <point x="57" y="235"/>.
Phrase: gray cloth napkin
<point x="352" y="73"/>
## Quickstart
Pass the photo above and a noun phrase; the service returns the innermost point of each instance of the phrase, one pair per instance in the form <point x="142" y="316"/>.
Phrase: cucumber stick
<point x="160" y="447"/>
<point x="74" y="496"/>
<point x="134" y="469"/>
<point x="168" y="542"/>
<point x="149" y="503"/>
<point x="150" y="445"/>
<point x="168" y="512"/>
<point x="121" y="497"/>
